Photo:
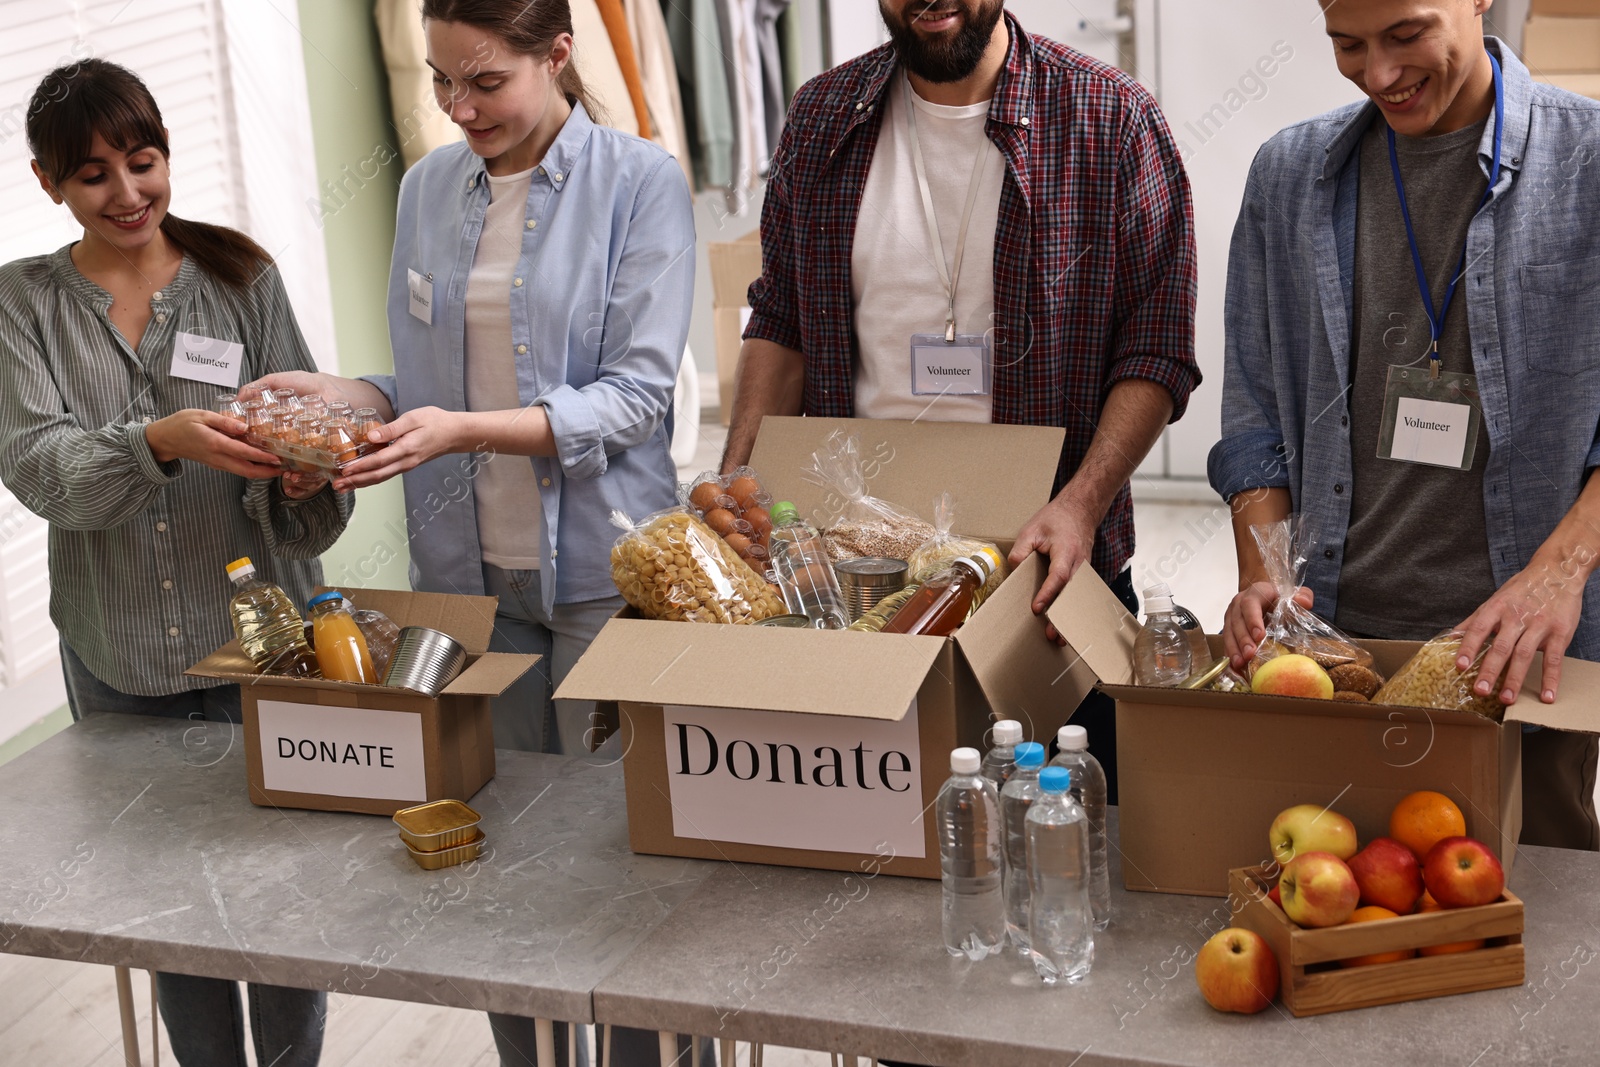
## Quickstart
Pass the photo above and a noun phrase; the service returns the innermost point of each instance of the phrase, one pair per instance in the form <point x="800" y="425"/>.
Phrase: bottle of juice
<point x="341" y="648"/>
<point x="269" y="630"/>
<point x="943" y="602"/>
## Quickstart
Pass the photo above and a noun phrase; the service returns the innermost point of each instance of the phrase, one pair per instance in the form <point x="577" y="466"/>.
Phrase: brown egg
<point x="703" y="497"/>
<point x="759" y="520"/>
<point x="744" y="490"/>
<point x="738" y="542"/>
<point x="721" y="520"/>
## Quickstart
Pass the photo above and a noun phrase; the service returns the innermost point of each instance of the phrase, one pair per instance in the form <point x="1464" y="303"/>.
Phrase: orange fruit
<point x="1423" y="819"/>
<point x="1368" y="914"/>
<point x="1429" y="904"/>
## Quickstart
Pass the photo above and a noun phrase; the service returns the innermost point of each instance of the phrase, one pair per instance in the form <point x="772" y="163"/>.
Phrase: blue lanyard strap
<point x="1436" y="321"/>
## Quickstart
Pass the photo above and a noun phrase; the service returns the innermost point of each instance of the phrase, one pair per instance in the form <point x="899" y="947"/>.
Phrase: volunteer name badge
<point x="1432" y="421"/>
<point x="420" y="293"/>
<point x="940" y="367"/>
<point x="205" y="359"/>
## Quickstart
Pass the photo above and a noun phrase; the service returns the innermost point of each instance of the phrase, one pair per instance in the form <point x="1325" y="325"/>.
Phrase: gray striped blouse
<point x="138" y="548"/>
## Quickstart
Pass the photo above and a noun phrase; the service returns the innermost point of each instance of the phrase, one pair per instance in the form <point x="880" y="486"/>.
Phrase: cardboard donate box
<point x="823" y="749"/>
<point x="336" y="746"/>
<point x="1202" y="774"/>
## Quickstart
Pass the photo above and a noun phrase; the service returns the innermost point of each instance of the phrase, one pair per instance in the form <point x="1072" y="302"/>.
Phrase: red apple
<point x="1389" y="875"/>
<point x="1461" y="872"/>
<point x="1310" y="828"/>
<point x="1292" y="675"/>
<point x="1236" y="971"/>
<point x="1318" y="890"/>
<point x="1276" y="896"/>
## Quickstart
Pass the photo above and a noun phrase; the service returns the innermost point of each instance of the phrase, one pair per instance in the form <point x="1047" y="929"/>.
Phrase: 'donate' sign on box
<point x="342" y="752"/>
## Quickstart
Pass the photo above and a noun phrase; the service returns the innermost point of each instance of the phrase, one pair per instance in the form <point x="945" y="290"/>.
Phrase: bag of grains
<point x="1430" y="680"/>
<point x="867" y="525"/>
<point x="672" y="566"/>
<point x="1285" y="550"/>
<point x="944" y="548"/>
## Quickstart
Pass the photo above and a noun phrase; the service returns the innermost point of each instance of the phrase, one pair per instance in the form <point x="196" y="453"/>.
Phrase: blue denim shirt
<point x="599" y="323"/>
<point x="1533" y="271"/>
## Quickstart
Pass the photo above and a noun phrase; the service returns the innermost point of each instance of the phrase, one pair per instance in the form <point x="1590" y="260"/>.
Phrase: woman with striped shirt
<point x="106" y="430"/>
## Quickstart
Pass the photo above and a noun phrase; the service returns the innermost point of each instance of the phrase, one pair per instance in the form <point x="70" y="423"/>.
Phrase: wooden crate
<point x="1313" y="984"/>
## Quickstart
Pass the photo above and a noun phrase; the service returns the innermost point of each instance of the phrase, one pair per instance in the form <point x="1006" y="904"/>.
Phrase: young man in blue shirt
<point x="1413" y="367"/>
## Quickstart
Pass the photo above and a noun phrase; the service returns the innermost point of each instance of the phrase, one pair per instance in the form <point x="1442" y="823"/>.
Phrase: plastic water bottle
<point x="971" y="860"/>
<point x="1060" y="923"/>
<point x="1161" y="651"/>
<point x="267" y="625"/>
<point x="1022" y="788"/>
<point x="1089" y="790"/>
<point x="1001" y="760"/>
<point x="804" y="572"/>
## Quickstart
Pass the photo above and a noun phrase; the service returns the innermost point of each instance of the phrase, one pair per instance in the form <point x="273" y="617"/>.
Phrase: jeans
<point x="204" y="1017"/>
<point x="526" y="717"/>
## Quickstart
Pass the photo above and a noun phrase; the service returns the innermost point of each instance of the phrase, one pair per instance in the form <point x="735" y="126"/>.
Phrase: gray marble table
<point x="130" y="841"/>
<point x="851" y="964"/>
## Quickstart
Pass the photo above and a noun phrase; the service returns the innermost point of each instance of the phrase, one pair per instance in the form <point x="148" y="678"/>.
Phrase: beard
<point x="952" y="57"/>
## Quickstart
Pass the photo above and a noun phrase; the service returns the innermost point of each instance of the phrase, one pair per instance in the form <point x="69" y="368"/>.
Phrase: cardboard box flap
<point x="1577" y="704"/>
<point x="468" y="619"/>
<point x="1024" y="675"/>
<point x="865" y="676"/>
<point x="998" y="476"/>
<point x="228" y="662"/>
<point x="490" y="674"/>
<point x="734" y="265"/>
<point x="1096" y="626"/>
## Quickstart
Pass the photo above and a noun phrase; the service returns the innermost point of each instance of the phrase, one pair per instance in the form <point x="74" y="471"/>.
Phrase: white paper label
<point x="1430" y="431"/>
<point x="206" y="359"/>
<point x="341" y="752"/>
<point x="948" y="369"/>
<point x="420" y="291"/>
<point x="825" y="783"/>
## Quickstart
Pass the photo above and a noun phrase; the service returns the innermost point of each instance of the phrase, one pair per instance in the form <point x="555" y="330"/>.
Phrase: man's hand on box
<point x="414" y="438"/>
<point x="1244" y="626"/>
<point x="1063" y="532"/>
<point x="1536" y="611"/>
<point x="211" y="439"/>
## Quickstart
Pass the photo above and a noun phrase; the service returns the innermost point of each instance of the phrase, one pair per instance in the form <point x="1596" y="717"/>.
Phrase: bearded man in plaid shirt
<point x="974" y="223"/>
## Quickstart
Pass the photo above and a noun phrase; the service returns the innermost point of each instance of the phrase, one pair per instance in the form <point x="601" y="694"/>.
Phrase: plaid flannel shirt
<point x="1094" y="258"/>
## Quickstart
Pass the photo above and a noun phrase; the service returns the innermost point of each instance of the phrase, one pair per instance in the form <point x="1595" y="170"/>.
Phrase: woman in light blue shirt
<point x="539" y="299"/>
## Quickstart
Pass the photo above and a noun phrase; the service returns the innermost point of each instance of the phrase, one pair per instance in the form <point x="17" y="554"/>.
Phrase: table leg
<point x="605" y="1045"/>
<point x="155" y="1023"/>
<point x="572" y="1045"/>
<point x="730" y="1053"/>
<point x="544" y="1032"/>
<point x="130" y="1027"/>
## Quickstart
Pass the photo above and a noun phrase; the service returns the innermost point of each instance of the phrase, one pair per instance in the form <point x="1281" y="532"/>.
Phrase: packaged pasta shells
<point x="672" y="566"/>
<point x="1430" y="680"/>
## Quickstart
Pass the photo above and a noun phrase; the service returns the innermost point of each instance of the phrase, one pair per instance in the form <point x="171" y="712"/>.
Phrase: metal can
<point x="866" y="581"/>
<point x="791" y="622"/>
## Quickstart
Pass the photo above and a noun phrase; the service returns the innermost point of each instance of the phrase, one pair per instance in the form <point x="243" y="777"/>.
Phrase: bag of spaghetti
<point x="672" y="566"/>
<point x="944" y="548"/>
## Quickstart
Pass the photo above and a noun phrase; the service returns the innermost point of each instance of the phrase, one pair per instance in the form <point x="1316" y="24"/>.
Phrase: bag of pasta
<point x="1285" y="549"/>
<point x="944" y="548"/>
<point x="671" y="566"/>
<point x="1430" y="680"/>
<point x="867" y="525"/>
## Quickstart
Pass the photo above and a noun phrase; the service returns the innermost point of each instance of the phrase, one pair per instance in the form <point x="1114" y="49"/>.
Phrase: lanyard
<point x="1436" y="322"/>
<point x="933" y="223"/>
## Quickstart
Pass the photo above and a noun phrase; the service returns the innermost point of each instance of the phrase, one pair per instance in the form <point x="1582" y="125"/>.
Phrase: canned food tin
<point x="866" y="581"/>
<point x="436" y="826"/>
<point x="794" y="622"/>
<point x="449" y="857"/>
<point x="424" y="661"/>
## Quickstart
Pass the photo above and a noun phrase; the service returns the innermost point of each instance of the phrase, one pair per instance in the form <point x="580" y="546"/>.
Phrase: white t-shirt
<point x="506" y="491"/>
<point x="893" y="280"/>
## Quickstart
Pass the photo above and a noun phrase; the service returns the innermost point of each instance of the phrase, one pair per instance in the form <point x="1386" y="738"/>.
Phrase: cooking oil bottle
<point x="268" y="627"/>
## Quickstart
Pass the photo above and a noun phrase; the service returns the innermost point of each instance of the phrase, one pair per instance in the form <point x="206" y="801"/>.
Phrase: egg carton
<point x="305" y="459"/>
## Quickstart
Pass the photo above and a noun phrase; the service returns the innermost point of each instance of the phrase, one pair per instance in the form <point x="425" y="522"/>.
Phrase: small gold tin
<point x="448" y="857"/>
<point x="436" y="826"/>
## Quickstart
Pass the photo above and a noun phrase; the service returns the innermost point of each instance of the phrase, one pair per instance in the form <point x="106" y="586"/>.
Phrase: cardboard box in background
<point x="1553" y="46"/>
<point x="1565" y="8"/>
<point x="776" y="705"/>
<point x="1201" y="775"/>
<point x="734" y="265"/>
<point x="336" y="746"/>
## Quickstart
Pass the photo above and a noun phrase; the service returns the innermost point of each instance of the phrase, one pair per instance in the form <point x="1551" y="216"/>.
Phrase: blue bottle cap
<point x="1055" y="779"/>
<point x="322" y="598"/>
<point x="1029" y="754"/>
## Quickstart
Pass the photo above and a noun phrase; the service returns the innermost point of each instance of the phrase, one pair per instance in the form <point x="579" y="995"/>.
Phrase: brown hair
<point x="73" y="103"/>
<point x="529" y="28"/>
